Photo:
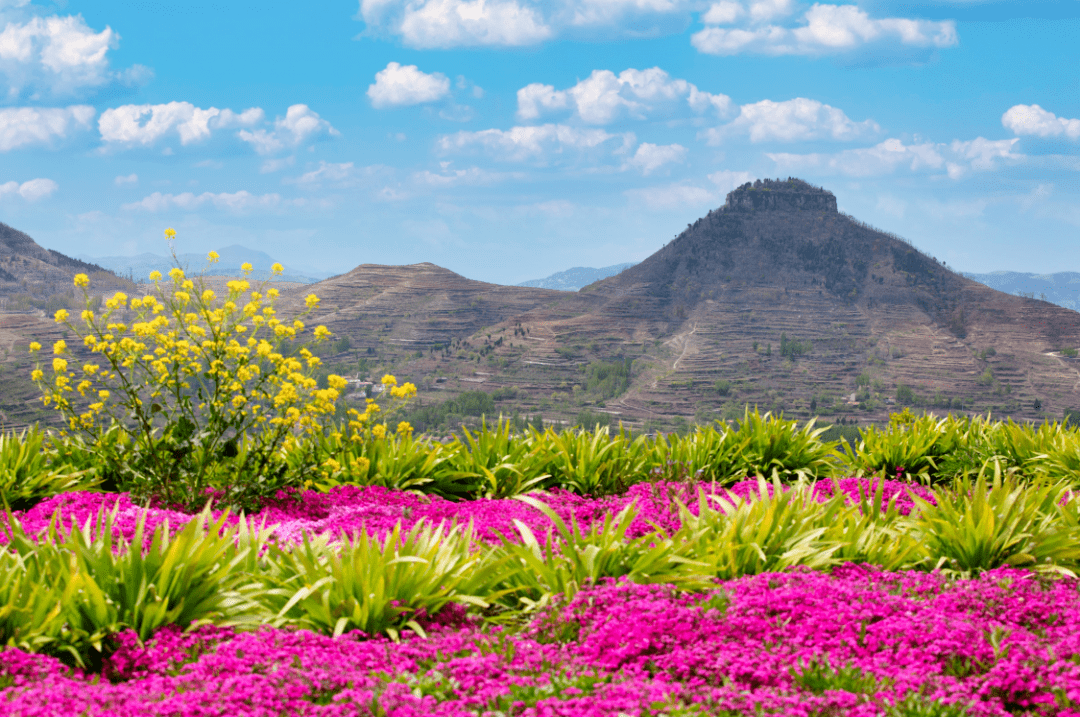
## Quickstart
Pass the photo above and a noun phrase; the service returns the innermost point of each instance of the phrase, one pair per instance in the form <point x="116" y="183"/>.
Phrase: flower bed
<point x="348" y="509"/>
<point x="858" y="641"/>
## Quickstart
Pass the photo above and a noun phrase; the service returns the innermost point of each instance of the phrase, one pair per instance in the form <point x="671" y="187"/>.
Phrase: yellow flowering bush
<point x="212" y="391"/>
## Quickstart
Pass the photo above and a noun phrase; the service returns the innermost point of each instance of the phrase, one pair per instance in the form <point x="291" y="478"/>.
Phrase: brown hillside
<point x="775" y="299"/>
<point x="30" y="269"/>
<point x="859" y="311"/>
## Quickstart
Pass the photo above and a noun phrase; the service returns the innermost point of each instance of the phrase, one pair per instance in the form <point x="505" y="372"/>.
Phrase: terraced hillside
<point x="775" y="299"/>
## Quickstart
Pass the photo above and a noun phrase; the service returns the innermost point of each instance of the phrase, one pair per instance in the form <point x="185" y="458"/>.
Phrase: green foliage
<point x="578" y="558"/>
<point x="760" y="534"/>
<point x="775" y="446"/>
<point x="608" y="379"/>
<point x="400" y="462"/>
<point x="793" y="348"/>
<point x="818" y="677"/>
<point x="592" y="419"/>
<point x="723" y="388"/>
<point x="377" y="587"/>
<point x="981" y="526"/>
<point x="29" y="472"/>
<point x="913" y="449"/>
<point x="451" y="412"/>
<point x="850" y="435"/>
<point x="591" y="463"/>
<point x="497" y="463"/>
<point x="68" y="594"/>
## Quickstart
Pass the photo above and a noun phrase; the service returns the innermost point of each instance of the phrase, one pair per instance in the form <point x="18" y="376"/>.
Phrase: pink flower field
<point x="856" y="642"/>
<point x="348" y="509"/>
<point x="853" y="640"/>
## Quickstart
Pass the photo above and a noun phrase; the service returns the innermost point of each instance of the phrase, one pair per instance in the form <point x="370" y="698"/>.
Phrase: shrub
<point x="28" y="474"/>
<point x="211" y="392"/>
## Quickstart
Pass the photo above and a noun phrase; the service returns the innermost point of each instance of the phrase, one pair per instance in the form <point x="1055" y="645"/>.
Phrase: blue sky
<point x="509" y="139"/>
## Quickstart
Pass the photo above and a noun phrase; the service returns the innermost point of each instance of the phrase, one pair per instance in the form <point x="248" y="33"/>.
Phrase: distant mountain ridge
<point x="30" y="269"/>
<point x="1061" y="288"/>
<point x="576" y="278"/>
<point x="138" y="267"/>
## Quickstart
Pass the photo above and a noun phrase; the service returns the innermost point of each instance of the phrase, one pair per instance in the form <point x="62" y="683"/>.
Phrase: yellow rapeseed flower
<point x="59" y="365"/>
<point x="312" y="301"/>
<point x="246" y="267"/>
<point x="35" y="346"/>
<point x="176" y="274"/>
<point x="87" y="316"/>
<point x="389" y="380"/>
<point x="277" y="269"/>
<point x="404" y="429"/>
<point x="212" y="257"/>
<point x="61" y="316"/>
<point x="60" y="347"/>
<point x="170" y="233"/>
<point x="208" y="296"/>
<point x="36" y="375"/>
<point x="103" y="395"/>
<point x="155" y="275"/>
<point x="82" y="280"/>
<point x="321" y="333"/>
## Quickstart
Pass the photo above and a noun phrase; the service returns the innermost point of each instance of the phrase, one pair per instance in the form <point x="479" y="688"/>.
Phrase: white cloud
<point x="31" y="191"/>
<point x="826" y="29"/>
<point x="684" y="194"/>
<point x="766" y="10"/>
<point x="21" y="126"/>
<point x="1034" y="120"/>
<point x="237" y="202"/>
<point x="519" y="144"/>
<point x="326" y="173"/>
<point x="793" y="120"/>
<point x="457" y="23"/>
<point x="650" y="157"/>
<point x="129" y="179"/>
<point x="144" y="125"/>
<point x="608" y="13"/>
<point x="604" y="97"/>
<point x="472" y="177"/>
<point x="58" y="55"/>
<point x="956" y="158"/>
<point x="298" y="126"/>
<point x="399" y="85"/>
<point x="727" y="180"/>
<point x="723" y="13"/>
<point x="982" y="153"/>
<point x="276" y="165"/>
<point x="672" y="196"/>
<point x="821" y="29"/>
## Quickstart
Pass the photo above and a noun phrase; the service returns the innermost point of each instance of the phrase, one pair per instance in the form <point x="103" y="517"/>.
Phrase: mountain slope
<point x="775" y="299"/>
<point x="30" y="269"/>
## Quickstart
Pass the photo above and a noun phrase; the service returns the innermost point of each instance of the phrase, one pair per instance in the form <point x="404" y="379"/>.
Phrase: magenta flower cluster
<point x="348" y="509"/>
<point x="858" y="642"/>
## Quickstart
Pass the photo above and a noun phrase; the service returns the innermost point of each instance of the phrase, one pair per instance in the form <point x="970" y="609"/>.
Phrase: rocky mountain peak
<point x="780" y="195"/>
